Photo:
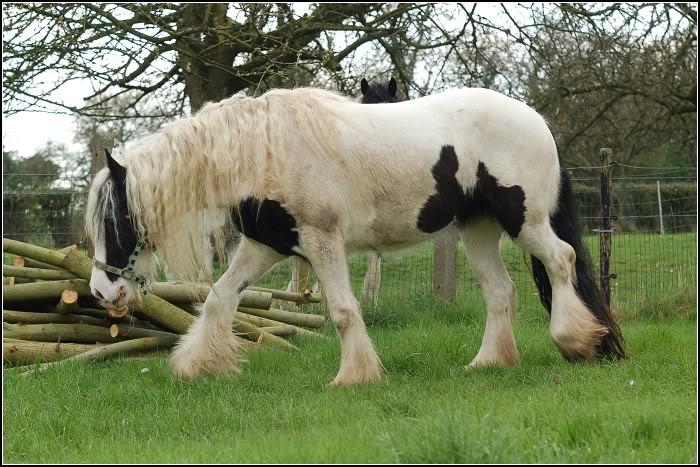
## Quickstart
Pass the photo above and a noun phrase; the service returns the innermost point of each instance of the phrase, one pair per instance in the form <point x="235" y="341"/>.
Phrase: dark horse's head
<point x="121" y="268"/>
<point x="378" y="93"/>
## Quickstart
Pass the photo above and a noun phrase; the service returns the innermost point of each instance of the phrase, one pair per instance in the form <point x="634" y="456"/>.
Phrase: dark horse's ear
<point x="117" y="170"/>
<point x="364" y="85"/>
<point x="392" y="87"/>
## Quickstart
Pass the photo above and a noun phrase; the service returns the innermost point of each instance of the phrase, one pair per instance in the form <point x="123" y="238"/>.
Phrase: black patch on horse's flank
<point x="120" y="236"/>
<point x="506" y="204"/>
<point x="442" y="206"/>
<point x="450" y="202"/>
<point x="267" y="223"/>
<point x="379" y="93"/>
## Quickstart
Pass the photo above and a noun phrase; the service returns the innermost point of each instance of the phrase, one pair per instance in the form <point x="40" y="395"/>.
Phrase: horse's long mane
<point x="228" y="150"/>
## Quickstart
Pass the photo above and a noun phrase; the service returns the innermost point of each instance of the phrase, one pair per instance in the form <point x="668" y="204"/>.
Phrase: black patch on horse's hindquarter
<point x="506" y="204"/>
<point x="267" y="223"/>
<point x="450" y="202"/>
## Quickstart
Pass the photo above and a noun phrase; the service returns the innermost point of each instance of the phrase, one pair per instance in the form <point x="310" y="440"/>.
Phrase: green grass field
<point x="428" y="409"/>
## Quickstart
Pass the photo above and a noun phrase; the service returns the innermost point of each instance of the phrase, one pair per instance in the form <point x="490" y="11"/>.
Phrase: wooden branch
<point x="264" y="323"/>
<point x="283" y="330"/>
<point x="18" y="262"/>
<point x="44" y="290"/>
<point x="83" y="333"/>
<point x="18" y="352"/>
<point x="298" y="298"/>
<point x="127" y="331"/>
<point x="187" y="292"/>
<point x="31" y="251"/>
<point x="107" y="351"/>
<point x="68" y="248"/>
<point x="156" y="308"/>
<point x="166" y="314"/>
<point x="259" y="335"/>
<point x="33" y="273"/>
<point x="68" y="303"/>
<point x="30" y="263"/>
<point x="287" y="317"/>
<point x="71" y="261"/>
<point x="29" y="317"/>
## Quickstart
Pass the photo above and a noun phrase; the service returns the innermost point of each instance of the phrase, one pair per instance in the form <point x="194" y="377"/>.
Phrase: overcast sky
<point x="24" y="132"/>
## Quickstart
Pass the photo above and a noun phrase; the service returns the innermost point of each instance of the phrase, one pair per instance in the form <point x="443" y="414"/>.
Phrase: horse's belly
<point x="394" y="227"/>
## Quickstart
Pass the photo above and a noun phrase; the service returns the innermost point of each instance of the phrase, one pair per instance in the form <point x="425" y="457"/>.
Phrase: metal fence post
<point x="605" y="227"/>
<point x="661" y="212"/>
<point x="445" y="266"/>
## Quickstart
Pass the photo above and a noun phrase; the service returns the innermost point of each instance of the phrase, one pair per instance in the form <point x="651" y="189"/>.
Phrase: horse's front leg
<point x="359" y="362"/>
<point x="210" y="345"/>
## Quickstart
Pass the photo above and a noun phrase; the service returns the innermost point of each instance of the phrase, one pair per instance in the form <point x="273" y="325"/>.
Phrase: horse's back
<point x="397" y="164"/>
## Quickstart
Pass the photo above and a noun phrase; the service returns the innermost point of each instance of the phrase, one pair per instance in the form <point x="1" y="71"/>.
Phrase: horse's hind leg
<point x="574" y="330"/>
<point x="373" y="278"/>
<point x="481" y="243"/>
<point x="359" y="362"/>
<point x="210" y="346"/>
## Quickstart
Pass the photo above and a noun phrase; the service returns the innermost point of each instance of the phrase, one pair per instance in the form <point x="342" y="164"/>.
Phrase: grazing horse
<point x="311" y="173"/>
<point x="374" y="93"/>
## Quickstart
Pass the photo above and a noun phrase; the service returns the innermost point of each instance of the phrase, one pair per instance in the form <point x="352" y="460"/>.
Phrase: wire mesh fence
<point x="646" y="259"/>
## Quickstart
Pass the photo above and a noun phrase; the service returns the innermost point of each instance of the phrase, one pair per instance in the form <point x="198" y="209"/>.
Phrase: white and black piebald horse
<point x="314" y="174"/>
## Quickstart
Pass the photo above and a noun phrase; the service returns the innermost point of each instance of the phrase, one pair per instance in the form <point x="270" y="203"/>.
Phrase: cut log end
<point x="69" y="296"/>
<point x="117" y="312"/>
<point x="17" y="261"/>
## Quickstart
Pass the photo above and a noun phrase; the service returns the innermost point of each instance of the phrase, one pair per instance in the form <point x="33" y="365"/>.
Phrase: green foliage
<point x="38" y="206"/>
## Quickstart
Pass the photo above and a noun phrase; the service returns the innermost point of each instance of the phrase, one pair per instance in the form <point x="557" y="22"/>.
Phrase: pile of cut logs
<point x="49" y="315"/>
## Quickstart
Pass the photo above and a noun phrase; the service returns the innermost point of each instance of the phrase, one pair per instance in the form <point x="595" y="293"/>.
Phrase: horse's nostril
<point x="114" y="302"/>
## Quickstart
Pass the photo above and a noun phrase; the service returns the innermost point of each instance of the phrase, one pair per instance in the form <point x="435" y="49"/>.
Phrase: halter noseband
<point x="129" y="272"/>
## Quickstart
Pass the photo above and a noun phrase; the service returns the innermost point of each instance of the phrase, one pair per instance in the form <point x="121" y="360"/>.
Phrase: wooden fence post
<point x="98" y="144"/>
<point x="445" y="266"/>
<point x="605" y="225"/>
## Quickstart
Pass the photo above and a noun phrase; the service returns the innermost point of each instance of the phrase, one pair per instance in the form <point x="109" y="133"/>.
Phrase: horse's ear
<point x="117" y="170"/>
<point x="392" y="87"/>
<point x="364" y="85"/>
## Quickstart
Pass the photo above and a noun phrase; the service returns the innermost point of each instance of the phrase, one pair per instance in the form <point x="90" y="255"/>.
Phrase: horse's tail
<point x="566" y="226"/>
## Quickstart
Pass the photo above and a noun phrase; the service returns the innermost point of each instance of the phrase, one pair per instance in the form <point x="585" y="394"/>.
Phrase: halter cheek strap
<point x="129" y="272"/>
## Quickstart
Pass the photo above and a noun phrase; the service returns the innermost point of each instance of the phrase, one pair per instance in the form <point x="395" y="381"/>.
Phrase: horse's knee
<point x="561" y="267"/>
<point x="343" y="316"/>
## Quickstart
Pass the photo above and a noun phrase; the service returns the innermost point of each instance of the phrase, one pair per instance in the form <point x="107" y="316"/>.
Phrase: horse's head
<point x="378" y="93"/>
<point x="122" y="261"/>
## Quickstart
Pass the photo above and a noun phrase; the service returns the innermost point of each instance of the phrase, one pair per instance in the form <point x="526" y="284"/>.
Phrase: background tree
<point x="603" y="74"/>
